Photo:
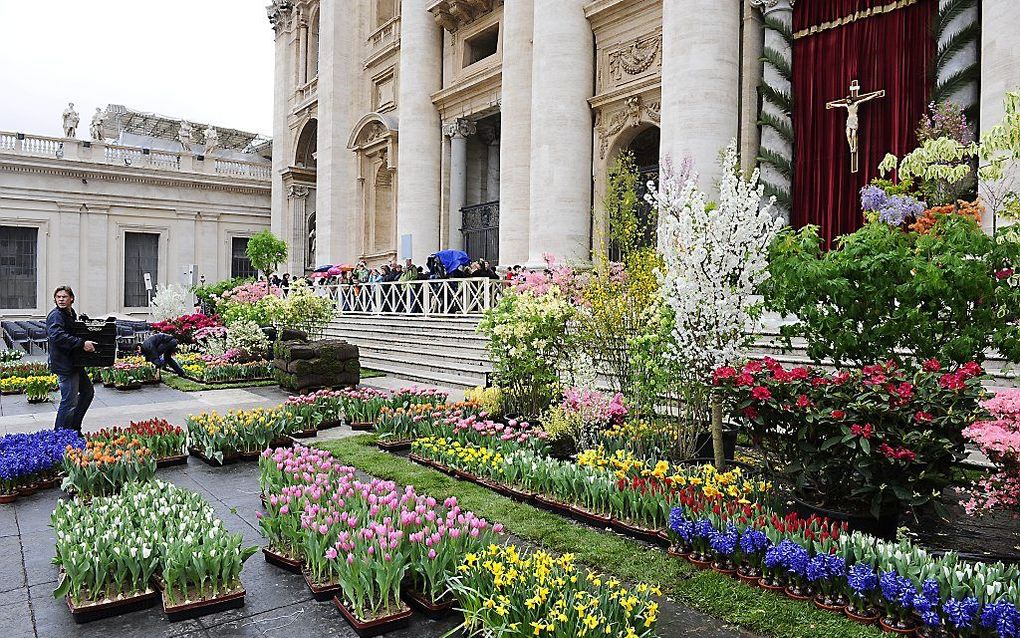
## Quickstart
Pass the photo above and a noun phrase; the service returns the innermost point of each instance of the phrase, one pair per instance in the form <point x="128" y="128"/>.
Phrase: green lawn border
<point x="748" y="607"/>
<point x="188" y="385"/>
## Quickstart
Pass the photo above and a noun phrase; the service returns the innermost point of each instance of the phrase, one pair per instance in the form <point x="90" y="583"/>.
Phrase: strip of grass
<point x="189" y="385"/>
<point x="763" y="612"/>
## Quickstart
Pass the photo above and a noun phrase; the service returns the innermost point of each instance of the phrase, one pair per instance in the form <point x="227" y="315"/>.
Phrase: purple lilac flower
<point x="1003" y="617"/>
<point x="862" y="579"/>
<point x="753" y="541"/>
<point x="873" y="198"/>
<point x="927" y="604"/>
<point x="961" y="613"/>
<point x="901" y="208"/>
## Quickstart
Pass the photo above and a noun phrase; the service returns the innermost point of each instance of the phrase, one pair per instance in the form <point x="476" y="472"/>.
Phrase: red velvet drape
<point x="891" y="51"/>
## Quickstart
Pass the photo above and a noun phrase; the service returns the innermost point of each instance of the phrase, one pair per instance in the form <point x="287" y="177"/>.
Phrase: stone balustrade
<point x="100" y="152"/>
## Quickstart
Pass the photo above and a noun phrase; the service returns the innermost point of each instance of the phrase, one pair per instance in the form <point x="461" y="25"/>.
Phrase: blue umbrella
<point x="453" y="259"/>
<point x="323" y="268"/>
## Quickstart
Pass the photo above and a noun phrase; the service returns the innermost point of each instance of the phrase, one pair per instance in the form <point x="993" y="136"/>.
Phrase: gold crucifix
<point x="851" y="103"/>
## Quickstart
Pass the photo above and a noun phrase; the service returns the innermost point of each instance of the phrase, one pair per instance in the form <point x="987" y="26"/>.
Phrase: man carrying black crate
<point x="76" y="390"/>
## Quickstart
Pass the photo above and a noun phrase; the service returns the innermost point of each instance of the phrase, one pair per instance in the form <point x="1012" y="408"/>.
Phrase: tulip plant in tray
<point x="102" y="467"/>
<point x="168" y="443"/>
<point x="113" y="550"/>
<point x="237" y="433"/>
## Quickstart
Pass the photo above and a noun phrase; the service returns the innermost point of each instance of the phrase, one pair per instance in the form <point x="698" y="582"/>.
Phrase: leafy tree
<point x="266" y="251"/>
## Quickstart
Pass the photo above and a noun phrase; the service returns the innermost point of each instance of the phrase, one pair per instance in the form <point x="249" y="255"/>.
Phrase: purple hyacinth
<point x="927" y="604"/>
<point x="1003" y="617"/>
<point x="679" y="524"/>
<point x="725" y="543"/>
<point x="862" y="579"/>
<point x="897" y="589"/>
<point x="961" y="613"/>
<point x="753" y="541"/>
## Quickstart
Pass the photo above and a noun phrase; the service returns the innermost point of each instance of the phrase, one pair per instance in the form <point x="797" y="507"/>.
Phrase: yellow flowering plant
<point x="236" y="432"/>
<point x="504" y="591"/>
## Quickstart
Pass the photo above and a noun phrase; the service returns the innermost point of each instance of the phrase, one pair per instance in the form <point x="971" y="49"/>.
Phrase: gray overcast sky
<point x="209" y="61"/>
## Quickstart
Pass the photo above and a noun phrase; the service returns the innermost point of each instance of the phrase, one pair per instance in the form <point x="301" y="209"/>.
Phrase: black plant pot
<point x="703" y="445"/>
<point x="883" y="527"/>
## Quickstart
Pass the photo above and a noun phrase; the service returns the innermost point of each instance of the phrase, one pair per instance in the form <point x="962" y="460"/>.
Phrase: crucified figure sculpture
<point x="852" y="103"/>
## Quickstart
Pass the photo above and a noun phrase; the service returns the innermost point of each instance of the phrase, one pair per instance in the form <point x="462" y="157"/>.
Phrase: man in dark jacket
<point x="76" y="390"/>
<point x="159" y="350"/>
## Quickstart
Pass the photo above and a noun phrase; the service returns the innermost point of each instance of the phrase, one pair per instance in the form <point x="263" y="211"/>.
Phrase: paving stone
<point x="53" y="620"/>
<point x="16" y="614"/>
<point x="8" y="521"/>
<point x="12" y="569"/>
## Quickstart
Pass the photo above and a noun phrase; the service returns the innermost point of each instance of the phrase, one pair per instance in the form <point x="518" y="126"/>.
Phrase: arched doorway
<point x="645" y="150"/>
<point x="305" y="155"/>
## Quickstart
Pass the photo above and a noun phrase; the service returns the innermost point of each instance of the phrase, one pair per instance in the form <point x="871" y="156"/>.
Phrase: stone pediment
<point x="454" y="14"/>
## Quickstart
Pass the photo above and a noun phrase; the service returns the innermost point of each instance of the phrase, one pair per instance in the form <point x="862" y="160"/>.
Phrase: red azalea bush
<point x="184" y="328"/>
<point x="873" y="439"/>
<point x="999" y="439"/>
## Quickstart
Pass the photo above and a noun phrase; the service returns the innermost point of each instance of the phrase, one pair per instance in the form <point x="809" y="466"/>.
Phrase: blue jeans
<point x="76" y="394"/>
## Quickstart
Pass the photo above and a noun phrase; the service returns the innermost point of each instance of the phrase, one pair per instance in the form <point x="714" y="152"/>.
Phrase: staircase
<point x="444" y="351"/>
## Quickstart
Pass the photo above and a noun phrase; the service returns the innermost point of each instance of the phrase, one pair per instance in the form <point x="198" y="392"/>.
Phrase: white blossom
<point x="713" y="262"/>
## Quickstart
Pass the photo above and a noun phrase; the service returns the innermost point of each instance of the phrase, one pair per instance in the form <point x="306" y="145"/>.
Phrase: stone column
<point x="753" y="39"/>
<point x="515" y="121"/>
<point x="458" y="132"/>
<point x="297" y="238"/>
<point x="336" y="166"/>
<point x="302" y="51"/>
<point x="700" y="82"/>
<point x="492" y="141"/>
<point x="421" y="139"/>
<point x="782" y="11"/>
<point x="561" y="132"/>
<point x="281" y="88"/>
<point x="1000" y="69"/>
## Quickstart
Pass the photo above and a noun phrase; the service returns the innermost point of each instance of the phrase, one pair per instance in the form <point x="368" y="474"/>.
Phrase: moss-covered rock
<point x="301" y="365"/>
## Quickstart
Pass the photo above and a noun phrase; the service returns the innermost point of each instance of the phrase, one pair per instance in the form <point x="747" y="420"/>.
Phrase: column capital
<point x="460" y="128"/>
<point x="280" y="13"/>
<point x="297" y="192"/>
<point x="768" y="6"/>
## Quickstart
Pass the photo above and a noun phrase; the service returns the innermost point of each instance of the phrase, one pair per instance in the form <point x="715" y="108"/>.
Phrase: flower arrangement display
<point x="897" y="431"/>
<point x="583" y="414"/>
<point x="18" y="368"/>
<point x="407" y="424"/>
<point x="489" y="400"/>
<point x="506" y="591"/>
<point x="183" y="328"/>
<point x="164" y="440"/>
<point x="999" y="440"/>
<point x="38" y="388"/>
<point x="360" y="539"/>
<point x="237" y="433"/>
<point x="129" y="373"/>
<point x="643" y="439"/>
<point x="302" y="413"/>
<point x="361" y="406"/>
<point x="230" y="366"/>
<point x="114" y="547"/>
<point x="40" y="383"/>
<point x="29" y="461"/>
<point x="250" y="293"/>
<point x="7" y="356"/>
<point x="405" y="397"/>
<point x="102" y="467"/>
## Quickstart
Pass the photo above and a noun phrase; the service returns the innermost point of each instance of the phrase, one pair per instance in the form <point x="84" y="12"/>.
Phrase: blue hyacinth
<point x="927" y="604"/>
<point x="825" y="567"/>
<point x="679" y="524"/>
<point x="23" y="456"/>
<point x="961" y="613"/>
<point x="897" y="589"/>
<point x="725" y="543"/>
<point x="1002" y="617"/>
<point x="753" y="541"/>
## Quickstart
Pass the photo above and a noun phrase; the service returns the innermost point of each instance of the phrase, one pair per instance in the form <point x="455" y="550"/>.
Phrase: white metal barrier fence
<point x="432" y="297"/>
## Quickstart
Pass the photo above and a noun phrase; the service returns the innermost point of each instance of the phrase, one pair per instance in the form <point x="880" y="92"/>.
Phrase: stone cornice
<point x="81" y="170"/>
<point x="644" y="85"/>
<point x="454" y="14"/>
<point x="469" y="88"/>
<point x="601" y="12"/>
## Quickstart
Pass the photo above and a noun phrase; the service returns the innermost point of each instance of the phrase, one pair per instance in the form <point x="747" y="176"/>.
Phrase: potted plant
<point x="38" y="388"/>
<point x="862" y="594"/>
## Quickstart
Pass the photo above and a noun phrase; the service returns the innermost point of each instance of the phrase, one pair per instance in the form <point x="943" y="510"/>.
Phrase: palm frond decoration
<point x="781" y="125"/>
<point x="782" y="164"/>
<point x="779" y="62"/>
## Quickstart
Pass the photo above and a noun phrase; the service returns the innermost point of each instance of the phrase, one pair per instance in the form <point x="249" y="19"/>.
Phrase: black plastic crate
<point x="104" y="333"/>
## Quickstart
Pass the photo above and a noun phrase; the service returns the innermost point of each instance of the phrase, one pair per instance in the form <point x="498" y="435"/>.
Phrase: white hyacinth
<point x="714" y="261"/>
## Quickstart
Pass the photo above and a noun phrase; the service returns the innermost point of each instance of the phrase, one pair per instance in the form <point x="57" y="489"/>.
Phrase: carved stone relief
<point x="635" y="58"/>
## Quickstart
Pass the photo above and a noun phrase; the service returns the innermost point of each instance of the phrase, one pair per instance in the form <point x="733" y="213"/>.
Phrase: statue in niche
<point x="96" y="127"/>
<point x="71" y="120"/>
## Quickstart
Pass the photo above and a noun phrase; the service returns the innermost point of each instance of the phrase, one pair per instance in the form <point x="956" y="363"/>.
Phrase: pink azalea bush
<point x="251" y="293"/>
<point x="594" y="407"/>
<point x="999" y="440"/>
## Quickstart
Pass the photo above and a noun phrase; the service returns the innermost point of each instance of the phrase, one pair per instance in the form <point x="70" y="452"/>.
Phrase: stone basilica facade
<point x="403" y="127"/>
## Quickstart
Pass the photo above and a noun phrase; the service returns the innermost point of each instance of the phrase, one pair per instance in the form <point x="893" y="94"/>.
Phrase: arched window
<point x="306" y="146"/>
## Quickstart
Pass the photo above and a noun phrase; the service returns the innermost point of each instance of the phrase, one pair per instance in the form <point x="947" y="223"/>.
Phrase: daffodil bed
<point x="152" y="533"/>
<point x="367" y="537"/>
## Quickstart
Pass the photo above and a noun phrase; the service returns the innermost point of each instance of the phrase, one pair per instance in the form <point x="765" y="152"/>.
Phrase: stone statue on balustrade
<point x="186" y="135"/>
<point x="71" y="120"/>
<point x="212" y="139"/>
<point x="96" y="127"/>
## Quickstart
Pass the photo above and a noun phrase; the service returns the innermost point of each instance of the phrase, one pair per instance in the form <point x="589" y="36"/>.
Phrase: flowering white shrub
<point x="170" y="302"/>
<point x="714" y="259"/>
<point x="248" y="336"/>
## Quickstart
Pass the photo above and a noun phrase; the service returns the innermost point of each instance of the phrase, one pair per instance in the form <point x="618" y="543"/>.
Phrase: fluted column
<point x="515" y="122"/>
<point x="1000" y="66"/>
<point x="421" y="140"/>
<point x="772" y="140"/>
<point x="561" y="132"/>
<point x="700" y="81"/>
<point x="337" y="239"/>
<point x="458" y="133"/>
<point x="280" y="220"/>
